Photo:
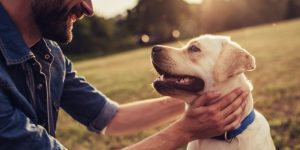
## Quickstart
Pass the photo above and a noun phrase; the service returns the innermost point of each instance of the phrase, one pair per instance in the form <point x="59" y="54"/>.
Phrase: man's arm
<point x="201" y="120"/>
<point x="85" y="103"/>
<point x="141" y="115"/>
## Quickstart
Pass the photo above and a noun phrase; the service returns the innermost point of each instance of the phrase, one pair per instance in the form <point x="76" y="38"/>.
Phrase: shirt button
<point x="40" y="86"/>
<point x="47" y="56"/>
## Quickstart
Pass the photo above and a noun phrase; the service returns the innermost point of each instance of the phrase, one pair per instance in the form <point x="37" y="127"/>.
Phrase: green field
<point x="127" y="77"/>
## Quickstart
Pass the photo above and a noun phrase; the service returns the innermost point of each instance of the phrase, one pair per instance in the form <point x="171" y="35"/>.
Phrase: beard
<point x="52" y="19"/>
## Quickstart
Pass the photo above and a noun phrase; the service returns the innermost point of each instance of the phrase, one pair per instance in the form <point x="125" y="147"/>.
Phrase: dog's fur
<point x="220" y="63"/>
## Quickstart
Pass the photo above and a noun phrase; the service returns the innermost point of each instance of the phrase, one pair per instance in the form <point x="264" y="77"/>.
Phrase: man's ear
<point x="232" y="60"/>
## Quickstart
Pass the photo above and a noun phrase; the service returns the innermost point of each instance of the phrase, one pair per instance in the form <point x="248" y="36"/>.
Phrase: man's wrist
<point x="170" y="138"/>
<point x="178" y="131"/>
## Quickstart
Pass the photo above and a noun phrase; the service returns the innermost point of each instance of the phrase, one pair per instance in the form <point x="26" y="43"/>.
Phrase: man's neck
<point x="21" y="14"/>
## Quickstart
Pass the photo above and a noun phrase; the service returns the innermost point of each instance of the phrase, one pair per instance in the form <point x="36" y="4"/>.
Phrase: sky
<point x="111" y="8"/>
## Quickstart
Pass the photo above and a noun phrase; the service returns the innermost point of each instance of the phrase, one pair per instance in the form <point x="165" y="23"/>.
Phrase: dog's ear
<point x="232" y="60"/>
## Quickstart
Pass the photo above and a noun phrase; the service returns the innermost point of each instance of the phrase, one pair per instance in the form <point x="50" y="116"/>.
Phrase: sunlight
<point x="194" y="1"/>
<point x="112" y="8"/>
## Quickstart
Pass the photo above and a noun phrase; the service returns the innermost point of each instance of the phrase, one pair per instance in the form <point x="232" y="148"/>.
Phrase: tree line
<point x="157" y="21"/>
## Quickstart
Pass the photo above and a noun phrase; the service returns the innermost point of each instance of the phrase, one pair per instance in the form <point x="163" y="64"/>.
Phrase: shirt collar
<point x="12" y="45"/>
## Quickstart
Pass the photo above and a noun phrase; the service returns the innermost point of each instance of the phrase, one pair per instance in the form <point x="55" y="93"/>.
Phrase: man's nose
<point x="88" y="7"/>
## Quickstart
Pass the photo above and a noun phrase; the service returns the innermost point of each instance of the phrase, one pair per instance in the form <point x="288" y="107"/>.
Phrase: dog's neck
<point x="232" y="83"/>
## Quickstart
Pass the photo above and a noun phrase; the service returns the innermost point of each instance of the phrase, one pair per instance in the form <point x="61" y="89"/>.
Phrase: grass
<point x="127" y="77"/>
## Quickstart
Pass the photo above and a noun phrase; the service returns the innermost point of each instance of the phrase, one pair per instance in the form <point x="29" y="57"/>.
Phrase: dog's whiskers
<point x="180" y="43"/>
<point x="153" y="71"/>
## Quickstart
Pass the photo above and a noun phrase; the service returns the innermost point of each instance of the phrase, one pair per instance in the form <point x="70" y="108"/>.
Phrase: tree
<point x="97" y="34"/>
<point x="158" y="18"/>
<point x="219" y="15"/>
<point x="294" y="9"/>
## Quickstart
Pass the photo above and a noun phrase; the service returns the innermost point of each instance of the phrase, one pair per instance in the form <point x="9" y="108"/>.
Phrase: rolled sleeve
<point x="85" y="103"/>
<point x="105" y="116"/>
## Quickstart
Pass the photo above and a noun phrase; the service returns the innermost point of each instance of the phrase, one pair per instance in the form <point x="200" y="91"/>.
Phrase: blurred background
<point x="112" y="50"/>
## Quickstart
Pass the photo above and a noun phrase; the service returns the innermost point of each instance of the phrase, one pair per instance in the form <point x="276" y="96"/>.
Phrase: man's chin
<point x="67" y="38"/>
<point x="63" y="36"/>
<point x="61" y="39"/>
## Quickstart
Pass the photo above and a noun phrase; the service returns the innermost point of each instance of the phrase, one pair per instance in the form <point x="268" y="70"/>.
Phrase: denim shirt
<point x="34" y="84"/>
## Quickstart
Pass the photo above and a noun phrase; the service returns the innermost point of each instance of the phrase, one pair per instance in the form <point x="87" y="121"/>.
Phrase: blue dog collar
<point x="229" y="136"/>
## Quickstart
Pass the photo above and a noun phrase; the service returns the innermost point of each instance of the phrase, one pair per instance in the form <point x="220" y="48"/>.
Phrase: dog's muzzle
<point x="173" y="81"/>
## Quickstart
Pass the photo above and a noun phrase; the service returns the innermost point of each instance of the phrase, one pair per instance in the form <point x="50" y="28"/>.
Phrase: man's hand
<point x="207" y="116"/>
<point x="204" y="119"/>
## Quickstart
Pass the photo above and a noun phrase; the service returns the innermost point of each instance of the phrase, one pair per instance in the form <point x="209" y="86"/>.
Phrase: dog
<point x="213" y="63"/>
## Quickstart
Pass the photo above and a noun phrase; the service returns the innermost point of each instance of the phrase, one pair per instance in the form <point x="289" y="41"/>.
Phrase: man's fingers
<point x="204" y="99"/>
<point x="236" y="115"/>
<point x="233" y="124"/>
<point x="229" y="98"/>
<point x="238" y="102"/>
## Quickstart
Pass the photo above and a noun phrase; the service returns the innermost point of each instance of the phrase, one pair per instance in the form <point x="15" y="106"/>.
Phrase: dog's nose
<point x="156" y="50"/>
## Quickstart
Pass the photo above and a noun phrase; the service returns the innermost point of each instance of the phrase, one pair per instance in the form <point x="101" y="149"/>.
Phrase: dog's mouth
<point x="171" y="81"/>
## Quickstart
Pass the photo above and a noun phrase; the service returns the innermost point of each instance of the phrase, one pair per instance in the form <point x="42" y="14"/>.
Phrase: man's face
<point x="55" y="18"/>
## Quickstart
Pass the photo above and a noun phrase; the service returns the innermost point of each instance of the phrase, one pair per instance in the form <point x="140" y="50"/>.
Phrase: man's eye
<point x="194" y="48"/>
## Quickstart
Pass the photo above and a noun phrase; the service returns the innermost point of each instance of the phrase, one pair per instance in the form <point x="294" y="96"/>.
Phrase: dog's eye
<point x="194" y="48"/>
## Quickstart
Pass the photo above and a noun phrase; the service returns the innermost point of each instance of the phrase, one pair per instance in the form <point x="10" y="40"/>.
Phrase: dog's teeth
<point x="186" y="79"/>
<point x="182" y="81"/>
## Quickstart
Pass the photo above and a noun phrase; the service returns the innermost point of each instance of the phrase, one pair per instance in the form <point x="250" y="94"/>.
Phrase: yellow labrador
<point x="213" y="63"/>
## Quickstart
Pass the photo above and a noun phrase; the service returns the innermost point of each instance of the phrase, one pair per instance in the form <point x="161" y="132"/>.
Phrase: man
<point x="36" y="79"/>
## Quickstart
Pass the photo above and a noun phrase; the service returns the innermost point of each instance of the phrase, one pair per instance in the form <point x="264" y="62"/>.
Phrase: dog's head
<point x="202" y="63"/>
